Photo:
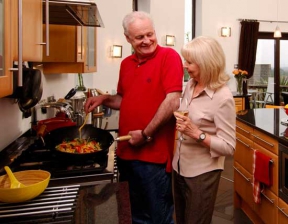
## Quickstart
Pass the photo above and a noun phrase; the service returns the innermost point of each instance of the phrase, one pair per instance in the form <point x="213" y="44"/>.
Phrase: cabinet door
<point x="72" y="50"/>
<point x="90" y="45"/>
<point x="31" y="28"/>
<point x="6" y="62"/>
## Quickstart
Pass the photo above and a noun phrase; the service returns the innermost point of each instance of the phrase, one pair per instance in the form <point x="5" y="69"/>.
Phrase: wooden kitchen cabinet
<point x="248" y="139"/>
<point x="31" y="38"/>
<point x="72" y="49"/>
<point x="243" y="186"/>
<point x="32" y="30"/>
<point x="6" y="79"/>
<point x="239" y="103"/>
<point x="282" y="212"/>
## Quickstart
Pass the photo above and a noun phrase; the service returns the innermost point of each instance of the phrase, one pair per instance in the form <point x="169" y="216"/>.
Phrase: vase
<point x="239" y="86"/>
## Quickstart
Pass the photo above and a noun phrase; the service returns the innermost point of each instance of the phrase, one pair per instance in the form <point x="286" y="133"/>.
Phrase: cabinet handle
<point x="248" y="146"/>
<point x="20" y="45"/>
<point x="47" y="27"/>
<point x="270" y="200"/>
<point x="243" y="130"/>
<point x="247" y="179"/>
<point x="255" y="136"/>
<point x="282" y="210"/>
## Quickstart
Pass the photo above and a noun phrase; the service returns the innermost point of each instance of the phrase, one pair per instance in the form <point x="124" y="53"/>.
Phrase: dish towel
<point x="261" y="174"/>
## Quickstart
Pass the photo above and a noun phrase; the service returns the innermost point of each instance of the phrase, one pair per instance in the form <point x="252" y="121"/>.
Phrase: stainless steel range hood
<point x="71" y="12"/>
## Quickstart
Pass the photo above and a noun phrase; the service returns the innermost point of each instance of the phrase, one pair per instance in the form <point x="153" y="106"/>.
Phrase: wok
<point x="55" y="137"/>
<point x="35" y="182"/>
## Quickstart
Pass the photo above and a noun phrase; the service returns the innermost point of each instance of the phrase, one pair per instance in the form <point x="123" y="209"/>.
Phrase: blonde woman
<point x="208" y="132"/>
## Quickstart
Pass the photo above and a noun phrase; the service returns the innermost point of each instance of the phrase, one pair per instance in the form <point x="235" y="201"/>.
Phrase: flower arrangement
<point x="240" y="75"/>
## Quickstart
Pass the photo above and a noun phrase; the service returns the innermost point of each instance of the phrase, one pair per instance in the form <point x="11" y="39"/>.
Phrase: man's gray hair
<point x="131" y="17"/>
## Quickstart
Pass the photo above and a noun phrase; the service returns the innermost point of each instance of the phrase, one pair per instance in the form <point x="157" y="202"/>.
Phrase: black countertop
<point x="267" y="120"/>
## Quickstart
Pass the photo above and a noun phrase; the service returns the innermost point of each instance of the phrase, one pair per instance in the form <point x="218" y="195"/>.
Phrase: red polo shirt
<point x="143" y="87"/>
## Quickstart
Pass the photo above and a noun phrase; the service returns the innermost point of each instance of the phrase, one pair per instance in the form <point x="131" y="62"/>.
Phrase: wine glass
<point x="183" y="109"/>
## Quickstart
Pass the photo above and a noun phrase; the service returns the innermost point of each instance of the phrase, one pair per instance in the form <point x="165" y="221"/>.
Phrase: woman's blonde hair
<point x="208" y="54"/>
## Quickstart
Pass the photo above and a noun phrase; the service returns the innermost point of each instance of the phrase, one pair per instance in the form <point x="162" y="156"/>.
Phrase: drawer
<point x="266" y="141"/>
<point x="244" y="152"/>
<point x="243" y="184"/>
<point x="244" y="130"/>
<point x="267" y="210"/>
<point x="238" y="101"/>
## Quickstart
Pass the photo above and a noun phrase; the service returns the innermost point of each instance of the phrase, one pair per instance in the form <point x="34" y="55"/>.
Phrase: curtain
<point x="247" y="49"/>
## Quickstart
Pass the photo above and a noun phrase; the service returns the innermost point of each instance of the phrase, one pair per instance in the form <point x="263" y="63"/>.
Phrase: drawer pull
<point x="282" y="210"/>
<point x="248" y="146"/>
<point x="255" y="136"/>
<point x="243" y="130"/>
<point x="270" y="200"/>
<point x="247" y="179"/>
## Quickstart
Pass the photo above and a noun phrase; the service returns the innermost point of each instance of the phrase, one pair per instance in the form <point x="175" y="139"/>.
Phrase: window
<point x="271" y="61"/>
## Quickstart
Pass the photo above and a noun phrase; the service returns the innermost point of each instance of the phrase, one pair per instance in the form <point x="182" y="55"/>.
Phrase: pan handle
<point x="123" y="138"/>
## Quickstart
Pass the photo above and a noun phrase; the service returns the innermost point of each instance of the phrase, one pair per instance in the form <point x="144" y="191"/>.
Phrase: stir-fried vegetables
<point x="79" y="146"/>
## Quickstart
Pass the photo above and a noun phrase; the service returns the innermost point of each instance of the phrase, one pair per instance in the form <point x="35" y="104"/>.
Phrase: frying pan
<point x="32" y="89"/>
<point x="55" y="137"/>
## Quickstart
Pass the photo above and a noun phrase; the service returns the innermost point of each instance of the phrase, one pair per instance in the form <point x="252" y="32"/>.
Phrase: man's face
<point x="142" y="37"/>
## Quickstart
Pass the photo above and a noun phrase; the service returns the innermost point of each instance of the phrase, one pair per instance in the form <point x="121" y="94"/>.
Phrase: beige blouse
<point x="214" y="113"/>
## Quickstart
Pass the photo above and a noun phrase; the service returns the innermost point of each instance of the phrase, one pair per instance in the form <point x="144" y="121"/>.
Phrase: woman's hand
<point x="186" y="126"/>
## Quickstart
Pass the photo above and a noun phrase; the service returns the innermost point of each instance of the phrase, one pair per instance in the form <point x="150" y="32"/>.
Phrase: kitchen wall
<point x="169" y="19"/>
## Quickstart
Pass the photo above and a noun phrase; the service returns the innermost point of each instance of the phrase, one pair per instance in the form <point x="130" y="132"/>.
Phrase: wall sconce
<point x="116" y="51"/>
<point x="226" y="32"/>
<point x="170" y="40"/>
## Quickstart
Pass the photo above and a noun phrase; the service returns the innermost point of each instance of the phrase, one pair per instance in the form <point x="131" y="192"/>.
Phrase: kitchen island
<point x="259" y="129"/>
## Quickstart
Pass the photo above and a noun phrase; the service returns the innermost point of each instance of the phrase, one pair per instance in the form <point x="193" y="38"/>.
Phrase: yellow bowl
<point x="36" y="182"/>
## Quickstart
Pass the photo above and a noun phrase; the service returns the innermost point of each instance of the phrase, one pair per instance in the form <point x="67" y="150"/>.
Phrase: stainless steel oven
<point x="283" y="172"/>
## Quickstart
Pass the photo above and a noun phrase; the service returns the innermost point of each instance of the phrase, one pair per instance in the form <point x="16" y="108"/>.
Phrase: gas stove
<point x="27" y="154"/>
<point x="58" y="202"/>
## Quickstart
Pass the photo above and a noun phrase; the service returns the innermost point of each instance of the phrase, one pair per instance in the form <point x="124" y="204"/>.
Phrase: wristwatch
<point x="201" y="138"/>
<point x="147" y="138"/>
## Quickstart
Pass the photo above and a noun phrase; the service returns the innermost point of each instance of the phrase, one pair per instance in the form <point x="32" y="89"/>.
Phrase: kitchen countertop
<point x="267" y="120"/>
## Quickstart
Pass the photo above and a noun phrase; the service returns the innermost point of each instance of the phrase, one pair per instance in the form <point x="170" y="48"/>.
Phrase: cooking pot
<point x="36" y="182"/>
<point x="57" y="136"/>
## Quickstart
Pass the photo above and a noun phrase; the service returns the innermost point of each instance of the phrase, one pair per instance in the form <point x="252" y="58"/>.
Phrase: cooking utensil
<point x="105" y="139"/>
<point x="85" y="121"/>
<point x="71" y="93"/>
<point x="57" y="136"/>
<point x="36" y="182"/>
<point x="14" y="182"/>
<point x="32" y="89"/>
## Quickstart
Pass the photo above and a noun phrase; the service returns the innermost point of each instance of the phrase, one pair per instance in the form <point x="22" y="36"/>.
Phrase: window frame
<point x="269" y="36"/>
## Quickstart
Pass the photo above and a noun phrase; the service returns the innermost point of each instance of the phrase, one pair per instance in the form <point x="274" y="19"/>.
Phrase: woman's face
<point x="142" y="37"/>
<point x="193" y="70"/>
